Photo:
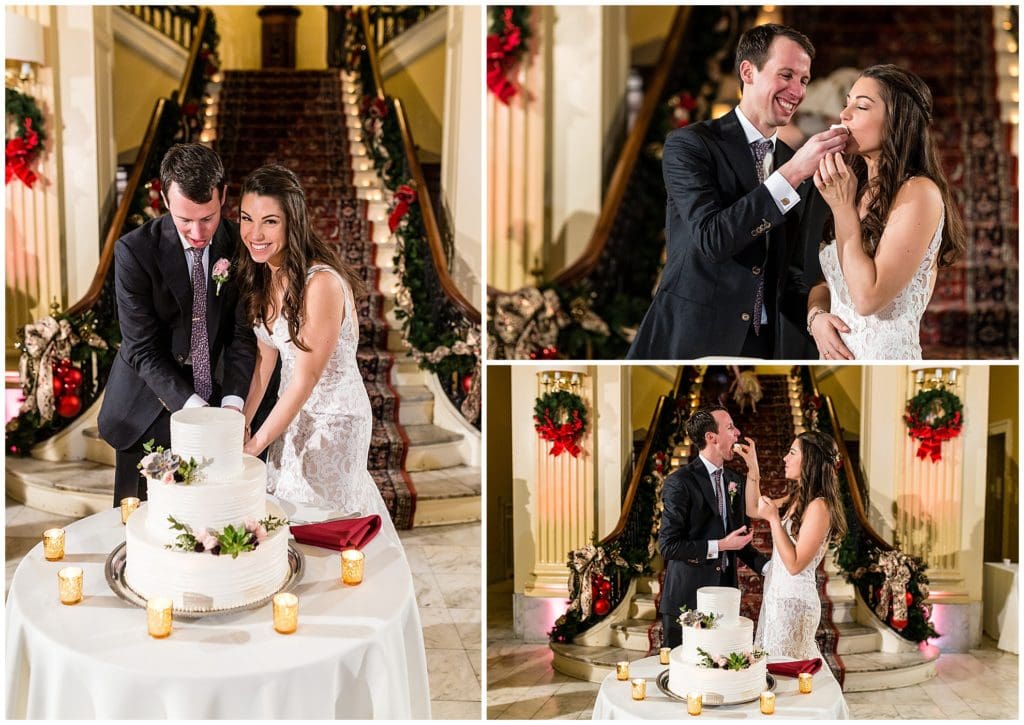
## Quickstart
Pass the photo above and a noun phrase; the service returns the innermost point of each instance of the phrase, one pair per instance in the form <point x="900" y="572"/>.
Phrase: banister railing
<point x="388" y="22"/>
<point x="180" y="23"/>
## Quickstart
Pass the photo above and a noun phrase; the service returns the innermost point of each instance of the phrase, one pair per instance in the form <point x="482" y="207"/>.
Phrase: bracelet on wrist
<point x="810" y="318"/>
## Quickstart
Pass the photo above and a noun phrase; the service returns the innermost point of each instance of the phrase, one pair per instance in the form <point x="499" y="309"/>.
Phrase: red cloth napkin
<point x="338" y="535"/>
<point x="792" y="669"/>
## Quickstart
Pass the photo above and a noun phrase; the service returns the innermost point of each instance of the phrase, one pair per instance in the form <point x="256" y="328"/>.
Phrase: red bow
<point x="498" y="62"/>
<point x="933" y="438"/>
<point x="19" y="153"/>
<point x="563" y="437"/>
<point x="405" y="195"/>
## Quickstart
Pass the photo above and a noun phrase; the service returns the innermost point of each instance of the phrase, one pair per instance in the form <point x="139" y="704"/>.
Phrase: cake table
<point x="358" y="651"/>
<point x="614" y="699"/>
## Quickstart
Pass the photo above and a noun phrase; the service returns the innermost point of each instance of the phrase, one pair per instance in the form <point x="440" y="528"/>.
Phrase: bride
<point x="790" y="606"/>
<point x="893" y="219"/>
<point x="300" y="298"/>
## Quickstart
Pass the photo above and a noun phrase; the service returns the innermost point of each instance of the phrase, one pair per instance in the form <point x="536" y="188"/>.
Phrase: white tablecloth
<point x="1001" y="602"/>
<point x="358" y="651"/>
<point x="615" y="700"/>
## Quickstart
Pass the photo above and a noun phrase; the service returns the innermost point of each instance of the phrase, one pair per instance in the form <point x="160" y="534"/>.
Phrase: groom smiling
<point x="732" y="283"/>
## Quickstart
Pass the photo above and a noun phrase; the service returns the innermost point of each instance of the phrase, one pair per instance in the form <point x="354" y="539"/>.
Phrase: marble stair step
<point x="642" y="607"/>
<point x="632" y="633"/>
<point x="447" y="495"/>
<point x="431" y="447"/>
<point x="67" y="488"/>
<point x="406" y="371"/>
<point x="888" y="670"/>
<point x="98" y="450"/>
<point x="856" y="638"/>
<point x="844" y="609"/>
<point x="416" y="404"/>
<point x="590" y="663"/>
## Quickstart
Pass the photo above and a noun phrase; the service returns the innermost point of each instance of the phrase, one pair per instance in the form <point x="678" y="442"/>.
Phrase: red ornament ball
<point x="899" y="623"/>
<point x="605" y="588"/>
<point x="72" y="379"/>
<point x="58" y="387"/>
<point x="68" y="405"/>
<point x="467" y="383"/>
<point x="910" y="599"/>
<point x="602" y="607"/>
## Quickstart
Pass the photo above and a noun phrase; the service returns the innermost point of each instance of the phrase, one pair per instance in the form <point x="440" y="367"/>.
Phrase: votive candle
<point x="639" y="688"/>
<point x="694" y="703"/>
<point x="806" y="680"/>
<point x="286" y="612"/>
<point x="352" y="566"/>
<point x="158" y="617"/>
<point x="767" y="703"/>
<point x="128" y="505"/>
<point x="622" y="670"/>
<point x="69" y="584"/>
<point x="663" y="655"/>
<point x="53" y="544"/>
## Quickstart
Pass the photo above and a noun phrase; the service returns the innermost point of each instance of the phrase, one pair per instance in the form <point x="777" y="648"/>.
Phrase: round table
<point x="358" y="651"/>
<point x="615" y="702"/>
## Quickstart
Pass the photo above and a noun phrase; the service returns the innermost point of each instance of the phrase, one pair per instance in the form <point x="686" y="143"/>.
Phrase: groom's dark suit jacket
<point x="716" y="218"/>
<point x="149" y="377"/>
<point x="689" y="520"/>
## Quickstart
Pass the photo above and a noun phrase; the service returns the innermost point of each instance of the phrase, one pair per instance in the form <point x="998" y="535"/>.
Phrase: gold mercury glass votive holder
<point x="806" y="680"/>
<point x="69" y="584"/>
<point x="622" y="670"/>
<point x="128" y="505"/>
<point x="694" y="703"/>
<point x="286" y="612"/>
<point x="53" y="544"/>
<point x="767" y="703"/>
<point x="663" y="655"/>
<point x="639" y="688"/>
<point x="352" y="566"/>
<point x="158" y="617"/>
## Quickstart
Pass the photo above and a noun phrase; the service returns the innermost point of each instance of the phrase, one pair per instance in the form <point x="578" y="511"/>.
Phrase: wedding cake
<point x="717" y="639"/>
<point x="208" y="538"/>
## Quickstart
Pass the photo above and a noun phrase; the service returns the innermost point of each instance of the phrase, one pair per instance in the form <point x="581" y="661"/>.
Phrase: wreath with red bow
<point x="21" y="149"/>
<point x="934" y="416"/>
<point x="561" y="417"/>
<point x="506" y="44"/>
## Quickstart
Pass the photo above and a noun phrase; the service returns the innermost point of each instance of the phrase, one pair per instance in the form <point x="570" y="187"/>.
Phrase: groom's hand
<point x="736" y="540"/>
<point x="806" y="160"/>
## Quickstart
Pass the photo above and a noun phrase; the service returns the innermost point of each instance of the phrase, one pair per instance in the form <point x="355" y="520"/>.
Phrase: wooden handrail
<point x="586" y="262"/>
<point x="433" y="232"/>
<point x="193" y="55"/>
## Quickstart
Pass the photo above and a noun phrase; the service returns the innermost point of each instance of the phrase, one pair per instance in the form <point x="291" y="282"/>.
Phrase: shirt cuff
<point x="195" y="401"/>
<point x="785" y="196"/>
<point x="713" y="549"/>
<point x="764" y="569"/>
<point x="232" y="400"/>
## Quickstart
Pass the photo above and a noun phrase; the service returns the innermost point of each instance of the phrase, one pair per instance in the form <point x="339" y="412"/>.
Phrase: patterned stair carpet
<point x="973" y="313"/>
<point x="294" y="118"/>
<point x="771" y="428"/>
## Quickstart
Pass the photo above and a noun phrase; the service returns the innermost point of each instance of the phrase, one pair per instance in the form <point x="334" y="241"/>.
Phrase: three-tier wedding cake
<point x="208" y="538"/>
<point x="717" y="639"/>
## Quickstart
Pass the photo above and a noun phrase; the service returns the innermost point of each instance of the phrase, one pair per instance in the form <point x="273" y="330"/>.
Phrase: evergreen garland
<point x="21" y="106"/>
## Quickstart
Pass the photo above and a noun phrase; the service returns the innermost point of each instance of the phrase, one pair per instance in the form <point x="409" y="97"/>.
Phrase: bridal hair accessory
<point x="221" y="272"/>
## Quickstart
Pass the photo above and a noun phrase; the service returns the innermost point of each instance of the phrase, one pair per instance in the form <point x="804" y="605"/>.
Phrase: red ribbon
<point x="19" y="153"/>
<point x="563" y="437"/>
<point x="405" y="195"/>
<point x="499" y="61"/>
<point x="933" y="438"/>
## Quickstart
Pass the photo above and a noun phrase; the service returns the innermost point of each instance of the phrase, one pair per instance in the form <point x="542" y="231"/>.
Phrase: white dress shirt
<point x="713" y="543"/>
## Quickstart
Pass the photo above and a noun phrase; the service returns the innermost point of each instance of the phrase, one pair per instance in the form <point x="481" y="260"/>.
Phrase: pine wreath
<point x="561" y="417"/>
<point x="21" y="149"/>
<point x="934" y="416"/>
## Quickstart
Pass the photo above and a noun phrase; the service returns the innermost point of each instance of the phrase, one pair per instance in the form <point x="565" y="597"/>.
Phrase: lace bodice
<point x="321" y="457"/>
<point x="894" y="332"/>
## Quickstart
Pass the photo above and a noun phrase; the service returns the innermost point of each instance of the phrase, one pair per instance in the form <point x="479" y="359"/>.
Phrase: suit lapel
<point x="737" y="151"/>
<point x="175" y="269"/>
<point x="700" y="471"/>
<point x="214" y="301"/>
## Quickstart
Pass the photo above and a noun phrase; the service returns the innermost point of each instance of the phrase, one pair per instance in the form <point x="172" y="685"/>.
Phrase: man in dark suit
<point x="732" y="284"/>
<point x="177" y="321"/>
<point x="703" y="524"/>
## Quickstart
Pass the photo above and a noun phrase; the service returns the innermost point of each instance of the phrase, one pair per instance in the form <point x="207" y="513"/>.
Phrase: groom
<point x="704" y="523"/>
<point x="177" y="321"/>
<point x="732" y="284"/>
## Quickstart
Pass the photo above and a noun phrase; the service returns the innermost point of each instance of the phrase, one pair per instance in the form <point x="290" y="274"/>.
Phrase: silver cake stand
<point x="662" y="681"/>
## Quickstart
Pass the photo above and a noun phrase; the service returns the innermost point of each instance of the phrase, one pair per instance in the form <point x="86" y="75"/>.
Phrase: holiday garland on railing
<point x="560" y="417"/>
<point x="506" y="46"/>
<point x="934" y="415"/>
<point x="24" y="136"/>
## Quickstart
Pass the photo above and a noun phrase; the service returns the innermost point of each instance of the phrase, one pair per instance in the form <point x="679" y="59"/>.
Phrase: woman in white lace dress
<point x="893" y="223"/>
<point x="790" y="607"/>
<point x="300" y="298"/>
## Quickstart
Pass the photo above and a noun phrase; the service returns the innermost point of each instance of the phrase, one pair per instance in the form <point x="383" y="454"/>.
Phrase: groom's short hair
<point x="755" y="44"/>
<point x="700" y="423"/>
<point x="196" y="169"/>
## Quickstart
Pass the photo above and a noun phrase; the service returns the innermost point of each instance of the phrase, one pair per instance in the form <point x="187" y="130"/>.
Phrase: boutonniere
<point x="734" y="488"/>
<point x="221" y="272"/>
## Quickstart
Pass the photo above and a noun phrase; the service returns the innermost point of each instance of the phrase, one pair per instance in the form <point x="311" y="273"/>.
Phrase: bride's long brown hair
<point x="303" y="248"/>
<point x="819" y="478"/>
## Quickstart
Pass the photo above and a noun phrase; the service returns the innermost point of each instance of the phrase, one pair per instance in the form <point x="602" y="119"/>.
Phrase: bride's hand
<point x="825" y="329"/>
<point x="767" y="510"/>
<point x="250" y="448"/>
<point x="836" y="182"/>
<point x="748" y="452"/>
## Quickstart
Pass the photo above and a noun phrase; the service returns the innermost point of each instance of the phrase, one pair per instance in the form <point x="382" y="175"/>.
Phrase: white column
<point x="882" y="438"/>
<point x="462" y="145"/>
<point x="613" y="447"/>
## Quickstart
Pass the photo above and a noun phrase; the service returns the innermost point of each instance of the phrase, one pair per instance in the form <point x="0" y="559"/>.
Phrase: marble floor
<point x="445" y="563"/>
<point x="521" y="684"/>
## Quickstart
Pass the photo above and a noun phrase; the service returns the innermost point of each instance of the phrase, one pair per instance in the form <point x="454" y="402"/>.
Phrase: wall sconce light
<point x="24" y="43"/>
<point x="558" y="380"/>
<point x="930" y="378"/>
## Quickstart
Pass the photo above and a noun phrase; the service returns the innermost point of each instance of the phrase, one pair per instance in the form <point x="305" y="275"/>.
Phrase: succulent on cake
<point x="698" y="620"/>
<point x="231" y="541"/>
<point x="732" y="661"/>
<point x="166" y="466"/>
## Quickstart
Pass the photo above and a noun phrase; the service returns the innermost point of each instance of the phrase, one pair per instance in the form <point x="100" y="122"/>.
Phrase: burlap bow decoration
<point x="582" y="563"/>
<point x="43" y="342"/>
<point x="896" y="567"/>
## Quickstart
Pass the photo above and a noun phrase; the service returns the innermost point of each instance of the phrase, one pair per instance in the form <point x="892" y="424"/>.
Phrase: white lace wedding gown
<point x="790" y="608"/>
<point x="894" y="332"/>
<point x="321" y="457"/>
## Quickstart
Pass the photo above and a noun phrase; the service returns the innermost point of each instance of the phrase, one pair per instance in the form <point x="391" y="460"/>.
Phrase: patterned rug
<point x="974" y="311"/>
<point x="294" y="118"/>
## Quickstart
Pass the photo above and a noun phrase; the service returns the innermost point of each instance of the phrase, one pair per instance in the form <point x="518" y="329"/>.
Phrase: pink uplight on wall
<point x="13" y="396"/>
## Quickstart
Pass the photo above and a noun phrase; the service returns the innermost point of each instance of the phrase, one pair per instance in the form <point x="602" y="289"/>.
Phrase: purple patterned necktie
<point x="716" y="480"/>
<point x="761" y="149"/>
<point x="201" y="377"/>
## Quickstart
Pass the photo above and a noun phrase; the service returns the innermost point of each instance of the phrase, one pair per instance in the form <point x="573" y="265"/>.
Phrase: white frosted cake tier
<point x="200" y="581"/>
<point x="209" y="504"/>
<point x="213" y="436"/>
<point x="724" y="601"/>
<point x="734" y="685"/>
<point x="721" y="640"/>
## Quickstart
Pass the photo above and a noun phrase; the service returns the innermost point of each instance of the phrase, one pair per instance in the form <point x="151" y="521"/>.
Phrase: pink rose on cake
<point x="208" y="539"/>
